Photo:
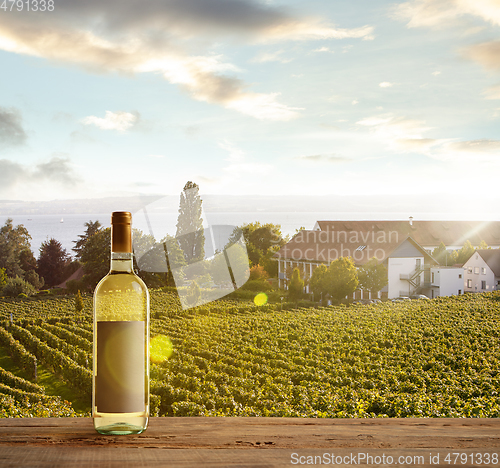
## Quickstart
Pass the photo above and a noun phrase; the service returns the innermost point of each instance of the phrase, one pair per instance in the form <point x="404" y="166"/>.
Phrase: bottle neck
<point x="122" y="261"/>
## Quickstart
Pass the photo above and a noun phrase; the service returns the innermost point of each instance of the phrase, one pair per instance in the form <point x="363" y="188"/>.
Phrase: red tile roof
<point x="492" y="259"/>
<point x="426" y="233"/>
<point x="327" y="246"/>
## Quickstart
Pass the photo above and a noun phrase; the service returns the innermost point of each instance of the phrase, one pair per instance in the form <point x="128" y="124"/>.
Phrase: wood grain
<point x="258" y="442"/>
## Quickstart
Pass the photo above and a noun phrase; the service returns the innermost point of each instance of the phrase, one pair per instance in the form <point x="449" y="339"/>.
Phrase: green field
<point x="438" y="358"/>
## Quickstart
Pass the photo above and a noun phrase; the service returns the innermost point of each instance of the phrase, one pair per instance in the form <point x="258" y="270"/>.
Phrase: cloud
<point x="486" y="53"/>
<point x="271" y="57"/>
<point x="56" y="170"/>
<point x="386" y="84"/>
<point x="476" y="146"/>
<point x="10" y="173"/>
<point x="419" y="145"/>
<point x="238" y="166"/>
<point x="323" y="158"/>
<point x="11" y="129"/>
<point x="394" y="127"/>
<point x="263" y="106"/>
<point x="441" y="13"/>
<point x="235" y="154"/>
<point x="402" y="134"/>
<point x="119" y="121"/>
<point x="493" y="92"/>
<point x="399" y="133"/>
<point x="169" y="37"/>
<point x="324" y="49"/>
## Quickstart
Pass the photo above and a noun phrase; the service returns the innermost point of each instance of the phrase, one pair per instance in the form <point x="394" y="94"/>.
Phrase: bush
<point x="16" y="286"/>
<point x="257" y="285"/>
<point x="43" y="292"/>
<point x="78" y="303"/>
<point x="32" y="277"/>
<point x="73" y="286"/>
<point x="193" y="294"/>
<point x="257" y="272"/>
<point x="3" y="277"/>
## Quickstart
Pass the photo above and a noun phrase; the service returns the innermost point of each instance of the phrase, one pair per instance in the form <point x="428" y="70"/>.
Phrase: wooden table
<point x="249" y="442"/>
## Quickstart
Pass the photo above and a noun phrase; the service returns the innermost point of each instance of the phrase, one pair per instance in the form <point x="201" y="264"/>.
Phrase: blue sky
<point x="251" y="97"/>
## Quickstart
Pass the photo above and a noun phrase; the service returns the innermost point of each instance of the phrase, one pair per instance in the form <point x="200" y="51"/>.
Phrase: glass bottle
<point x="120" y="396"/>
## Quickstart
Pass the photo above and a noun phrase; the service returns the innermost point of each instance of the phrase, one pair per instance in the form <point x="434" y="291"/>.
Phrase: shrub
<point x="257" y="272"/>
<point x="73" y="286"/>
<point x="16" y="286"/>
<point x="3" y="277"/>
<point x="78" y="302"/>
<point x="257" y="285"/>
<point x="193" y="294"/>
<point x="32" y="277"/>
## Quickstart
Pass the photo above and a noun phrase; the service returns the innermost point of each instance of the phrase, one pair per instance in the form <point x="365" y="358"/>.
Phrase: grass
<point x="52" y="384"/>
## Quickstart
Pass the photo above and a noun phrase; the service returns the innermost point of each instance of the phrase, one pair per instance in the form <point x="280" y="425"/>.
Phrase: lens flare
<point x="160" y="349"/>
<point x="260" y="299"/>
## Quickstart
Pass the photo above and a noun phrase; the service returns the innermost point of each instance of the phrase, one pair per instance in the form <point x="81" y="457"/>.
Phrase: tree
<point x="317" y="282"/>
<point x="157" y="260"/>
<point x="96" y="257"/>
<point x="372" y="276"/>
<point x="341" y="278"/>
<point x="483" y="245"/>
<point x="78" y="302"/>
<point x="34" y="279"/>
<point x="93" y="227"/>
<point x="190" y="224"/>
<point x="257" y="272"/>
<point x="3" y="278"/>
<point x="193" y="294"/>
<point x="13" y="242"/>
<point x="296" y="286"/>
<point x="52" y="261"/>
<point x="262" y="242"/>
<point x="28" y="264"/>
<point x="16" y="286"/>
<point x="465" y="252"/>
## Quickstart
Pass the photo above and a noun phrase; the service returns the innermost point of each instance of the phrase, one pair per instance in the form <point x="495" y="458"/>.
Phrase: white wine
<point x="120" y="396"/>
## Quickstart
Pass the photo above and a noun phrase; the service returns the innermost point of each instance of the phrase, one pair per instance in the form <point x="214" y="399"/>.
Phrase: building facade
<point x="482" y="271"/>
<point x="446" y="281"/>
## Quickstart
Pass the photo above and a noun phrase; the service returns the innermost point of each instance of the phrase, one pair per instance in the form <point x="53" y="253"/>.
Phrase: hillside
<point x="438" y="358"/>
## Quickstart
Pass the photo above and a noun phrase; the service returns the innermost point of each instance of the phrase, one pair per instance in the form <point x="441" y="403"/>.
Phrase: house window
<point x="469" y="270"/>
<point x="459" y="276"/>
<point x="483" y="271"/>
<point x="483" y="284"/>
<point x="469" y="283"/>
<point x="459" y="292"/>
<point x="432" y="277"/>
<point x="476" y="270"/>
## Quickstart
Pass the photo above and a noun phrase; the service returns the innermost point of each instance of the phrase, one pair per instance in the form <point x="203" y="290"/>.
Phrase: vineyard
<point x="438" y="358"/>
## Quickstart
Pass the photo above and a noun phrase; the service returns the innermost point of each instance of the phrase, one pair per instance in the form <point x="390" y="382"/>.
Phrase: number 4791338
<point x="27" y="5"/>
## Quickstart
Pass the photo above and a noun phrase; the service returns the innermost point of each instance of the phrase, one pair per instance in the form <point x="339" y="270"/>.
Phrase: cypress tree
<point x="190" y="233"/>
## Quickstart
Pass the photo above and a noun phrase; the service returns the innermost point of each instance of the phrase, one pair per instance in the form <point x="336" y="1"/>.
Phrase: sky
<point x="251" y="97"/>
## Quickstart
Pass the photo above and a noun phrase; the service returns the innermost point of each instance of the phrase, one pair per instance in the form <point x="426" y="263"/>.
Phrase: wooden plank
<point x="258" y="442"/>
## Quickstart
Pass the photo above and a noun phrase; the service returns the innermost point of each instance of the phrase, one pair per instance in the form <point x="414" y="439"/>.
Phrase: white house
<point x="482" y="271"/>
<point x="446" y="281"/>
<point x="408" y="270"/>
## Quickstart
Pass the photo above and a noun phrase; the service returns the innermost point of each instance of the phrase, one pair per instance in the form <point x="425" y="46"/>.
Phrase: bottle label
<point x="120" y="385"/>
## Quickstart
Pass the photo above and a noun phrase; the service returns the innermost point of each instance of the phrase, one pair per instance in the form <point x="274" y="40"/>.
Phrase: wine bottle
<point x="120" y="396"/>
